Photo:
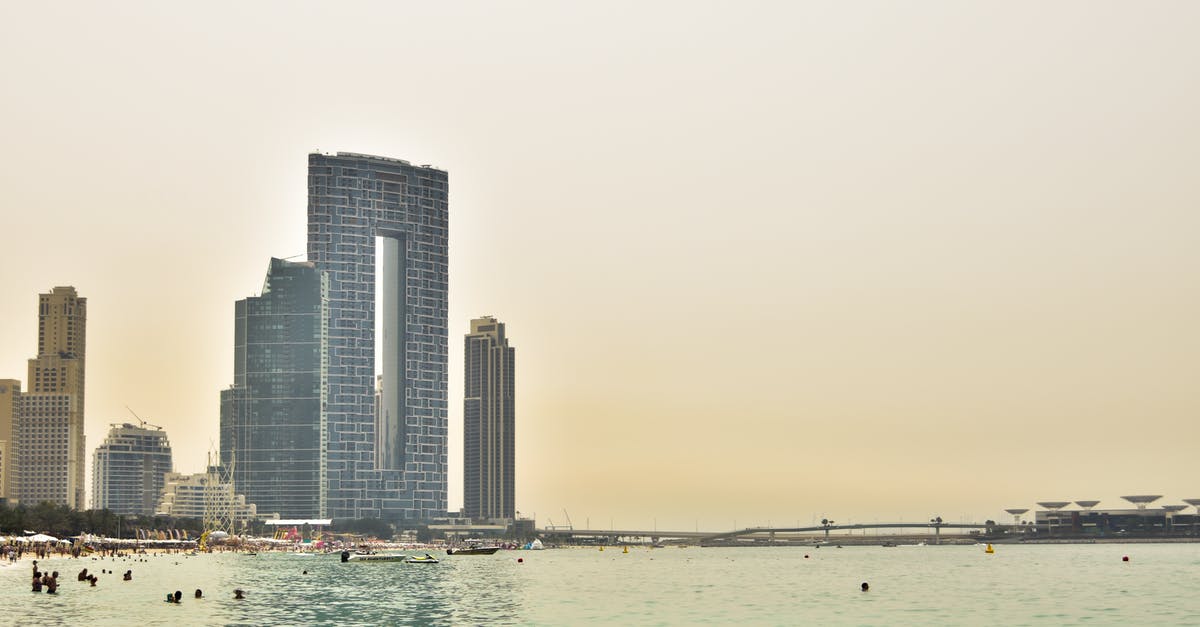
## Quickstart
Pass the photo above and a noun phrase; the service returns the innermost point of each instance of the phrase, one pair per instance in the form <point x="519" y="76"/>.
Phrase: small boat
<point x="474" y="550"/>
<point x="536" y="545"/>
<point x="426" y="559"/>
<point x="376" y="557"/>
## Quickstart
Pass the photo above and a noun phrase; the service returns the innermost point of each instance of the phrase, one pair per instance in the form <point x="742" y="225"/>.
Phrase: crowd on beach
<point x="41" y="550"/>
<point x="48" y="581"/>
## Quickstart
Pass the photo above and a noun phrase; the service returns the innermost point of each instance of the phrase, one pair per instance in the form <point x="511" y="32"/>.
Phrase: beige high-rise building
<point x="10" y="395"/>
<point x="489" y="423"/>
<point x="50" y="449"/>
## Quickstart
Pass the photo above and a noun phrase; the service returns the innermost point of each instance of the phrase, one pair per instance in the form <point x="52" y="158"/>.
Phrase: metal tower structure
<point x="218" y="496"/>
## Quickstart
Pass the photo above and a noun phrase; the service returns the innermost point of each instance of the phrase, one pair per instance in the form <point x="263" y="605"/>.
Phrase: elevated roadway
<point x="566" y="535"/>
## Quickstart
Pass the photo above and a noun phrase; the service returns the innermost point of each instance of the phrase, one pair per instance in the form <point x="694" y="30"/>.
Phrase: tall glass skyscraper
<point x="489" y="436"/>
<point x="273" y="427"/>
<point x="354" y="199"/>
<point x="130" y="469"/>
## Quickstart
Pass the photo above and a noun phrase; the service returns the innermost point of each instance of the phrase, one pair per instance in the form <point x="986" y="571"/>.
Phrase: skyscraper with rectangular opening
<point x="489" y="438"/>
<point x="392" y="465"/>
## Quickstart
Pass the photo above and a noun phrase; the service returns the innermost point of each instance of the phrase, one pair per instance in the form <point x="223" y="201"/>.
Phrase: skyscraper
<point x="10" y="397"/>
<point x="273" y="427"/>
<point x="49" y="439"/>
<point x="489" y="437"/>
<point x="129" y="470"/>
<point x="353" y="200"/>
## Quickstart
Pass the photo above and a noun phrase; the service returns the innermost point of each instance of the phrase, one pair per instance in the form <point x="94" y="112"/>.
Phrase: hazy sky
<point x="761" y="261"/>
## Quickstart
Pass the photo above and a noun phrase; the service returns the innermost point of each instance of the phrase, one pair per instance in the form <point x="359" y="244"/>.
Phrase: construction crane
<point x="142" y="423"/>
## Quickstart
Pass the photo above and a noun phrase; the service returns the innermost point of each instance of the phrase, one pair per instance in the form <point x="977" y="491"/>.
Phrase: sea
<point x="1068" y="584"/>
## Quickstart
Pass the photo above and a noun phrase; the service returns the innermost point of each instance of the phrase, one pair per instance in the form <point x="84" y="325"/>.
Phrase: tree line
<point x="61" y="521"/>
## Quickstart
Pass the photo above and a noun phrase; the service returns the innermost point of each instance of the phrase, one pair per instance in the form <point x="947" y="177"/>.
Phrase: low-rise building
<point x="203" y="496"/>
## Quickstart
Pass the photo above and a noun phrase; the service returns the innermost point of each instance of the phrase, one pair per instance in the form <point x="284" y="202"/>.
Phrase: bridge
<point x="771" y="533"/>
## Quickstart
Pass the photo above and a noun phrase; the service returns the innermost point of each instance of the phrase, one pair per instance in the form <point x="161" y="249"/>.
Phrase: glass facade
<point x="399" y="474"/>
<point x="130" y="469"/>
<point x="272" y="422"/>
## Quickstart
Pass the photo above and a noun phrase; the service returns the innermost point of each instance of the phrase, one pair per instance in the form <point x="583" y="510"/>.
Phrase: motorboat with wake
<point x="421" y="559"/>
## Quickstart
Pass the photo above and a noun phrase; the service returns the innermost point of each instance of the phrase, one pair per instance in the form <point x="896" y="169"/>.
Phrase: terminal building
<point x="1141" y="519"/>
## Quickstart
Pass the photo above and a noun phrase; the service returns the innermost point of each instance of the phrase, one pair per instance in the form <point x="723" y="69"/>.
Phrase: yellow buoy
<point x="626" y="549"/>
<point x="601" y="548"/>
<point x="989" y="549"/>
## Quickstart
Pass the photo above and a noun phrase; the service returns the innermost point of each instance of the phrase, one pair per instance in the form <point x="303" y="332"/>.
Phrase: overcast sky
<point x="761" y="262"/>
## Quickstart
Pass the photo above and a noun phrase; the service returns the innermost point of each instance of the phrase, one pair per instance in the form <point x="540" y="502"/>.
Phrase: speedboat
<point x="473" y="550"/>
<point x="425" y="559"/>
<point x="376" y="557"/>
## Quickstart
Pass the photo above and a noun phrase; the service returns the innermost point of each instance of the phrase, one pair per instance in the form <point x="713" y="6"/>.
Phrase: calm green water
<point x="1019" y="585"/>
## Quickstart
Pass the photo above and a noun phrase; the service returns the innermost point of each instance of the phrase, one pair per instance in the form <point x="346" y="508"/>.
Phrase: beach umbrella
<point x="41" y="537"/>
